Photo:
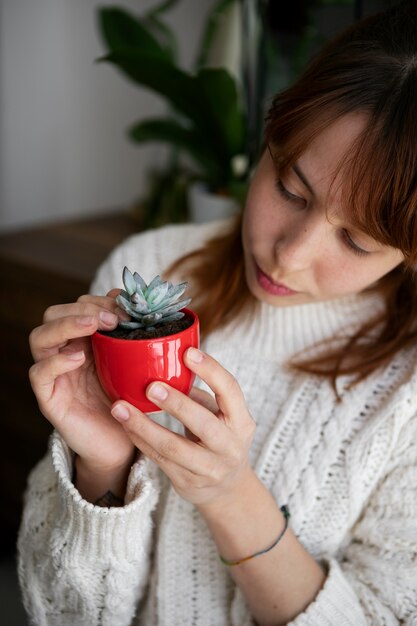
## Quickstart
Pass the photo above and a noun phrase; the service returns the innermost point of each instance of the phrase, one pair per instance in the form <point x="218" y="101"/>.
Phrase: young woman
<point x="308" y="303"/>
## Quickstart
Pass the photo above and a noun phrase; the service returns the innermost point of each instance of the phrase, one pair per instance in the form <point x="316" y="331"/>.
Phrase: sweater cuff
<point x="336" y="603"/>
<point x="99" y="530"/>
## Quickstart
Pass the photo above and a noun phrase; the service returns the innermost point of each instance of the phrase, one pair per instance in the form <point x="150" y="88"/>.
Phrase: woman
<point x="308" y="305"/>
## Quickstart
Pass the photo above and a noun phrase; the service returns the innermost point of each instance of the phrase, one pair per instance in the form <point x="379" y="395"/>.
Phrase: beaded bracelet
<point x="286" y="514"/>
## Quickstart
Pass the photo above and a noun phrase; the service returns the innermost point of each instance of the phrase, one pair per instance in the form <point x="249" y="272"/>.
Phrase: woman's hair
<point x="370" y="68"/>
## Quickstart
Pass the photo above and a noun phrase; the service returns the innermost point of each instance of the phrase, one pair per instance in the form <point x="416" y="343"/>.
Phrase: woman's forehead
<point x="328" y="154"/>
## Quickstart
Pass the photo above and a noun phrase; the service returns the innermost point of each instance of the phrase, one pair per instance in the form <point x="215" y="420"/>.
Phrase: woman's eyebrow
<point x="302" y="177"/>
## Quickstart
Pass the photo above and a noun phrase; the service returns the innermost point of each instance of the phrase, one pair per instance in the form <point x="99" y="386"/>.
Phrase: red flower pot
<point x="125" y="367"/>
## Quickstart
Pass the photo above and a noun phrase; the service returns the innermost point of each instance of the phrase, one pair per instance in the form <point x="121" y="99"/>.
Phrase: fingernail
<point x="196" y="356"/>
<point x="120" y="412"/>
<point x="158" y="392"/>
<point x="108" y="318"/>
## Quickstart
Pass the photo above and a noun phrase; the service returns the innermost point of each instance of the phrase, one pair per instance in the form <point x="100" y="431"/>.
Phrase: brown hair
<point x="372" y="68"/>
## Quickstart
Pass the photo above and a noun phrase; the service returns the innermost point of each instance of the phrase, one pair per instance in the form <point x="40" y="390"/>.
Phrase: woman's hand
<point x="66" y="385"/>
<point x="210" y="462"/>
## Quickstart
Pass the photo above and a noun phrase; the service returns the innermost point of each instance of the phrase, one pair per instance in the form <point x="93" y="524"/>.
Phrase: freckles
<point x="334" y="277"/>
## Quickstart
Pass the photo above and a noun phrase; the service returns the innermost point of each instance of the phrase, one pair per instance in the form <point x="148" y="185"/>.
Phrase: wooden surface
<point x="41" y="266"/>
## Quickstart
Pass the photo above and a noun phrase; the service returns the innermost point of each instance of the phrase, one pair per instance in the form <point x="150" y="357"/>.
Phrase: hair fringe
<point x="370" y="68"/>
<point x="217" y="279"/>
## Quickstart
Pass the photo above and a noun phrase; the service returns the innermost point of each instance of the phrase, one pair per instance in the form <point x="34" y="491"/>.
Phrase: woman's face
<point x="298" y="245"/>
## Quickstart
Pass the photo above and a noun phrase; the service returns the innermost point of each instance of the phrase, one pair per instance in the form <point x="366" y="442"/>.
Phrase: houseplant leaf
<point x="222" y="99"/>
<point x="159" y="75"/>
<point x="163" y="34"/>
<point x="121" y="30"/>
<point x="191" y="140"/>
<point x="187" y="94"/>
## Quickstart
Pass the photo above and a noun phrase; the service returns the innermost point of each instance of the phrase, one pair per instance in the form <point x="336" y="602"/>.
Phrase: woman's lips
<point x="268" y="285"/>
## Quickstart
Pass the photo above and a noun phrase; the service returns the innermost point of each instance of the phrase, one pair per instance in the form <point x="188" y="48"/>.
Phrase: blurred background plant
<point x="206" y="121"/>
<point x="249" y="50"/>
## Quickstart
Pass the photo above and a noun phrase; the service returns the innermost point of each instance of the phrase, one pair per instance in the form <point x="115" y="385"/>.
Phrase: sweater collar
<point x="284" y="331"/>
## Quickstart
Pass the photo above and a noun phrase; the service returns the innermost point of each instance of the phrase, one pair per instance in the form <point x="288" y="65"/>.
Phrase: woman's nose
<point x="298" y="246"/>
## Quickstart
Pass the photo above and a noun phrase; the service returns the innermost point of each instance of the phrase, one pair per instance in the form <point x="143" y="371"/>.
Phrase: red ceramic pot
<point x="125" y="367"/>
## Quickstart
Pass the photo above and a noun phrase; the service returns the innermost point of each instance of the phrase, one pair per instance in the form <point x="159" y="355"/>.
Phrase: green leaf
<point x="157" y="295"/>
<point x="154" y="283"/>
<point x="159" y="75"/>
<point x="125" y="305"/>
<point x="173" y="308"/>
<point x="173" y="317"/>
<point x="151" y="318"/>
<point x="121" y="31"/>
<point x="130" y="325"/>
<point x="175" y="291"/>
<point x="139" y="304"/>
<point x="141" y="284"/>
<point x="164" y="35"/>
<point x="128" y="281"/>
<point x="219" y="90"/>
<point x="209" y="101"/>
<point x="191" y="140"/>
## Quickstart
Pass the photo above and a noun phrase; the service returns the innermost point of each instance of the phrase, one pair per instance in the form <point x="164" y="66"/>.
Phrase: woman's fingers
<point x="228" y="394"/>
<point x="204" y="398"/>
<point x="195" y="417"/>
<point x="43" y="374"/>
<point x="86" y="305"/>
<point x="207" y="419"/>
<point x="52" y="336"/>
<point x="113" y="293"/>
<point x="157" y="442"/>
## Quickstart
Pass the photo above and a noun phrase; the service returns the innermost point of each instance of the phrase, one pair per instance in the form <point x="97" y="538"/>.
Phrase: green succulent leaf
<point x="157" y="295"/>
<point x="128" y="281"/>
<point x="123" y="294"/>
<point x="151" y="304"/>
<point x="140" y="282"/>
<point x="126" y="306"/>
<point x="175" y="291"/>
<point x="130" y="325"/>
<point x="155" y="282"/>
<point x="172" y="308"/>
<point x="139" y="304"/>
<point x="151" y="318"/>
<point x="174" y="317"/>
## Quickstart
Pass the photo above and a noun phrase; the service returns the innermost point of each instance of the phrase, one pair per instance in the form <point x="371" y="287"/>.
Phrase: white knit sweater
<point x="348" y="472"/>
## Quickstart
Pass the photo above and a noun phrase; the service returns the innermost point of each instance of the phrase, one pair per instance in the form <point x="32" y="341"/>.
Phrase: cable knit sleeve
<point x="79" y="563"/>
<point x="373" y="582"/>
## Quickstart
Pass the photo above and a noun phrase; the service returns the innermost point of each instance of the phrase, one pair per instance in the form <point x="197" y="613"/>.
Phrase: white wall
<point x="63" y="149"/>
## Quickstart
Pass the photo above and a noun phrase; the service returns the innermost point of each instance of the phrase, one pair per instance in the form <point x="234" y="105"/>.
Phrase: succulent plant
<point x="149" y="305"/>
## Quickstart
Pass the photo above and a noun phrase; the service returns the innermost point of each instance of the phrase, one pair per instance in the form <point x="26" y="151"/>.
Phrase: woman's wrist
<point x="284" y="578"/>
<point x="104" y="487"/>
<point x="234" y="510"/>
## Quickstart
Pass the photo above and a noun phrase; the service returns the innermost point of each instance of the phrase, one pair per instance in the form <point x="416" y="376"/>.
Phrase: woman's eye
<point x="287" y="195"/>
<point x="352" y="245"/>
